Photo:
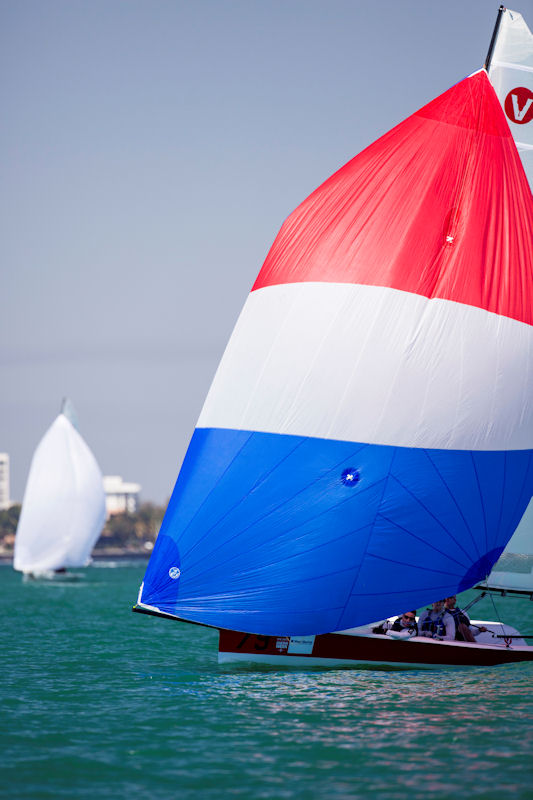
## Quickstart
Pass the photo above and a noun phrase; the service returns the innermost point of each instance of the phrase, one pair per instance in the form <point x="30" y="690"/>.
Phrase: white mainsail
<point x="63" y="509"/>
<point x="511" y="74"/>
<point x="514" y="570"/>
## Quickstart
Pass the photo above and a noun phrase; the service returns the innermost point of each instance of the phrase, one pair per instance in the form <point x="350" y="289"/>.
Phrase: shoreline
<point x="101" y="555"/>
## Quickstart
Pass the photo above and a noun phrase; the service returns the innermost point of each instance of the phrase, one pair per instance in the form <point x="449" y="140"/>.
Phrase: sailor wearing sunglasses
<point x="403" y="627"/>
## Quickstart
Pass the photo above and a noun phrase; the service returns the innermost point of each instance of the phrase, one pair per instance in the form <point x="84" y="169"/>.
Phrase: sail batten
<point x="511" y="74"/>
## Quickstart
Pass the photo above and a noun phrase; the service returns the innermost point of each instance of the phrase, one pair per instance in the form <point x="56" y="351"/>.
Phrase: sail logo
<point x="519" y="105"/>
<point x="174" y="573"/>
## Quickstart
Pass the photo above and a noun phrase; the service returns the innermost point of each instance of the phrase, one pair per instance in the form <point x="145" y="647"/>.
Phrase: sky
<point x="150" y="151"/>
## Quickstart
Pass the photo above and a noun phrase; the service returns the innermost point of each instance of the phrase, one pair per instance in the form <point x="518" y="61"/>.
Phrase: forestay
<point x="365" y="446"/>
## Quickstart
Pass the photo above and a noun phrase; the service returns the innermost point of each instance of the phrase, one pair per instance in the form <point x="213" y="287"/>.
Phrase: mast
<point x="494" y="37"/>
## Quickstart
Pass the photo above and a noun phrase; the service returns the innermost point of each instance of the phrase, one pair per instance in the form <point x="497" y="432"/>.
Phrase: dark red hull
<point x="359" y="651"/>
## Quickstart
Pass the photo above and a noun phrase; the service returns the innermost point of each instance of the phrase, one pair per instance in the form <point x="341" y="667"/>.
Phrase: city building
<point x="5" y="501"/>
<point x="120" y="497"/>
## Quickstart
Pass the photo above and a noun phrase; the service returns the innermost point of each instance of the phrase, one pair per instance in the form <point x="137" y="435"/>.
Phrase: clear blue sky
<point x="151" y="150"/>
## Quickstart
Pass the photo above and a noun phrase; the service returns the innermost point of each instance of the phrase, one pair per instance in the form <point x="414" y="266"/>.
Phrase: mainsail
<point x="63" y="510"/>
<point x="514" y="570"/>
<point x="366" y="444"/>
<point x="511" y="74"/>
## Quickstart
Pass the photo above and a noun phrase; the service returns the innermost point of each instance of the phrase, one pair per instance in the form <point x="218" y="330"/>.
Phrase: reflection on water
<point x="99" y="703"/>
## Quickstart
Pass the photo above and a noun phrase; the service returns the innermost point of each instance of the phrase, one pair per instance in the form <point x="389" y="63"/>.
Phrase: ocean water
<point x="98" y="702"/>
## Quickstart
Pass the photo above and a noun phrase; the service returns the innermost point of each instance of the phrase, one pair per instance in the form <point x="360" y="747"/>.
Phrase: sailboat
<point x="366" y="444"/>
<point x="63" y="509"/>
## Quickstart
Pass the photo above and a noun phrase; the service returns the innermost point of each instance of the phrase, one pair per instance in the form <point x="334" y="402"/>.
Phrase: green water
<point x="98" y="702"/>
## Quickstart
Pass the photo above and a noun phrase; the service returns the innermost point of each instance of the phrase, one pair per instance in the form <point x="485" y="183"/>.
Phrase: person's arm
<point x="450" y="628"/>
<point x="403" y="634"/>
<point x="383" y="627"/>
<point x="477" y="629"/>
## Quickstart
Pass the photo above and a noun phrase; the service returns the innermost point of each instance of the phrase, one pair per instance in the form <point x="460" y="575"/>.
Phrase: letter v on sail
<point x="520" y="113"/>
<point x="511" y="73"/>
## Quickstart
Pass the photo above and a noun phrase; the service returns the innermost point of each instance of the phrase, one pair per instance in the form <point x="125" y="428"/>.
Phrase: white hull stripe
<point x="377" y="365"/>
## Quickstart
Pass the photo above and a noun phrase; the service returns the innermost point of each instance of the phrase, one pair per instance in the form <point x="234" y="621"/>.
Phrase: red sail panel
<point x="451" y="219"/>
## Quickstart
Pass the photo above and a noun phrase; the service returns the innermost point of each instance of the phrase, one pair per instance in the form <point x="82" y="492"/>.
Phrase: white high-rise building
<point x="5" y="502"/>
<point x="120" y="497"/>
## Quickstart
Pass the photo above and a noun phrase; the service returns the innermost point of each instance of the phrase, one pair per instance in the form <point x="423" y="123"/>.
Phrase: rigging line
<point x="459" y="511"/>
<point x="285" y="503"/>
<point x="495" y="609"/>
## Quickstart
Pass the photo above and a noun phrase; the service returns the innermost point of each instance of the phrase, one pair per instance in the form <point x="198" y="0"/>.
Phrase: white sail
<point x="511" y="74"/>
<point x="63" y="509"/>
<point x="514" y="570"/>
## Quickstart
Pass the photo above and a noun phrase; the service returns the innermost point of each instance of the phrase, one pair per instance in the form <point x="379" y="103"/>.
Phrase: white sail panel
<point x="441" y="391"/>
<point x="511" y="74"/>
<point x="63" y="509"/>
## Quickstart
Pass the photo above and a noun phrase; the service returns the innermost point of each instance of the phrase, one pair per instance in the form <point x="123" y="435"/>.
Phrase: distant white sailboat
<point x="63" y="510"/>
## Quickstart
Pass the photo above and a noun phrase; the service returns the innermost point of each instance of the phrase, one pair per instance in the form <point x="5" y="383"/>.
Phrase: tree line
<point x="135" y="532"/>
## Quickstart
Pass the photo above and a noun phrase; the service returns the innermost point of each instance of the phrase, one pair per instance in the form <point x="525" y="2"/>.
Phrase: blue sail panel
<point x="279" y="534"/>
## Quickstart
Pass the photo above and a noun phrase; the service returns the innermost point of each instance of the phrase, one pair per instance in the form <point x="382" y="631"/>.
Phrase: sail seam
<point x="450" y="493"/>
<point x="281" y="505"/>
<point x="206" y="498"/>
<point x="423" y="568"/>
<point x="418" y="538"/>
<point x="367" y="543"/>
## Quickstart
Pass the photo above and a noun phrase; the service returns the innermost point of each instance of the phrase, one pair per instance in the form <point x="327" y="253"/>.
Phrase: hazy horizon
<point x="151" y="151"/>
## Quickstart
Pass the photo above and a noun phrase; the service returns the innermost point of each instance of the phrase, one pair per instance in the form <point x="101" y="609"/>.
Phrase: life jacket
<point x="397" y="626"/>
<point x="435" y="626"/>
<point x="458" y="617"/>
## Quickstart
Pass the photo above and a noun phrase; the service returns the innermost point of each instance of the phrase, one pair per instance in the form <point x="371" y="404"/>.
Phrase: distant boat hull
<point x="53" y="575"/>
<point x="363" y="650"/>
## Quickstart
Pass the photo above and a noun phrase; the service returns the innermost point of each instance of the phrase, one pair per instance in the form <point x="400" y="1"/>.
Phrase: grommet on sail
<point x="367" y="441"/>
